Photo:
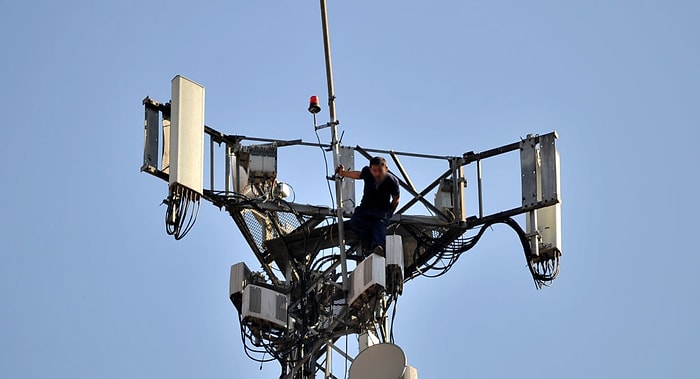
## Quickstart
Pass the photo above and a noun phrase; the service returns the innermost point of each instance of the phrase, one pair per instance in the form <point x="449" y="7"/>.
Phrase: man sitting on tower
<point x="380" y="198"/>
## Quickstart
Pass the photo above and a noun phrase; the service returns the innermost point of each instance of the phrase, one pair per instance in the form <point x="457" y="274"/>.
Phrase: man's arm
<point x="395" y="195"/>
<point x="340" y="170"/>
<point x="394" y="202"/>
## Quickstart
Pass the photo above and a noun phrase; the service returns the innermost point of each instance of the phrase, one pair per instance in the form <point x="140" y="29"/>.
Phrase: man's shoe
<point x="379" y="251"/>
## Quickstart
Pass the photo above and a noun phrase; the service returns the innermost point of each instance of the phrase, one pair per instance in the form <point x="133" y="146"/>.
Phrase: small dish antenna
<point x="381" y="361"/>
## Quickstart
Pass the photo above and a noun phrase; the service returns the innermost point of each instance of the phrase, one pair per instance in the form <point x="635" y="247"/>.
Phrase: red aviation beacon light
<point x="314" y="106"/>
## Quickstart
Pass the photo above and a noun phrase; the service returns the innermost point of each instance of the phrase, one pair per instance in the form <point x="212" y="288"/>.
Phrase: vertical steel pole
<point x="334" y="140"/>
<point x="211" y="163"/>
<point x="227" y="186"/>
<point x="335" y="145"/>
<point x="478" y="178"/>
<point x="329" y="356"/>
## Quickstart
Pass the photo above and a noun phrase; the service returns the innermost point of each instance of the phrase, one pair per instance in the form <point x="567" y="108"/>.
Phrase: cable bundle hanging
<point x="183" y="209"/>
<point x="543" y="269"/>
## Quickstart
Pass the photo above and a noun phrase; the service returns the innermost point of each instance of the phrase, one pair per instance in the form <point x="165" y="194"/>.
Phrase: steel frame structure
<point x="304" y="249"/>
<point x="296" y="244"/>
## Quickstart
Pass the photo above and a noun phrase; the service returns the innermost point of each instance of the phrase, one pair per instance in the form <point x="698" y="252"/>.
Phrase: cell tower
<point x="316" y="285"/>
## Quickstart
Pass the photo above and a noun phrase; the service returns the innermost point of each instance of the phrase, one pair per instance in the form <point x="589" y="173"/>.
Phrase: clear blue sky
<point x="92" y="287"/>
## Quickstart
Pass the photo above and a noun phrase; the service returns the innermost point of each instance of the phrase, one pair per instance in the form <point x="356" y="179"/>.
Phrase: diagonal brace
<point x="416" y="196"/>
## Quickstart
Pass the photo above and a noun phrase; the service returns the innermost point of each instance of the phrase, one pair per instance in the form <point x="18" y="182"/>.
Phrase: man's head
<point x="378" y="168"/>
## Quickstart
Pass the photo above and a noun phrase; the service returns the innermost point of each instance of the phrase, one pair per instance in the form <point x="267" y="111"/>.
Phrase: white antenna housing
<point x="187" y="134"/>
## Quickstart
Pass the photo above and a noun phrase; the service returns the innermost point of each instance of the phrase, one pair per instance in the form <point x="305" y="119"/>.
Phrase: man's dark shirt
<point x="378" y="196"/>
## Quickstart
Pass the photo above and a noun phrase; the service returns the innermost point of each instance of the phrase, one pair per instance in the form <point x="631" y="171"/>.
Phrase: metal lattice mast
<point x="297" y="316"/>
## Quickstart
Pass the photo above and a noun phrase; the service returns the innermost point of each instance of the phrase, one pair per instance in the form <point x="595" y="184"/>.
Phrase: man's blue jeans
<point x="370" y="226"/>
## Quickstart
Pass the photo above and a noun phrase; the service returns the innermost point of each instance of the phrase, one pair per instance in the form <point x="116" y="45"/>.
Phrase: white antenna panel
<point x="394" y="251"/>
<point x="549" y="218"/>
<point x="394" y="263"/>
<point x="187" y="134"/>
<point x="347" y="159"/>
<point x="549" y="226"/>
<point x="547" y="187"/>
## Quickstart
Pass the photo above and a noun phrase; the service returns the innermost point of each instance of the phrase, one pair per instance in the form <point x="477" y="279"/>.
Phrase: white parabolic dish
<point x="382" y="361"/>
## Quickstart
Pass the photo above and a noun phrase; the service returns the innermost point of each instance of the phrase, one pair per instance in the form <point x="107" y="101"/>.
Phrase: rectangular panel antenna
<point x="549" y="218"/>
<point x="347" y="159"/>
<point x="394" y="263"/>
<point x="151" y="132"/>
<point x="187" y="134"/>
<point x="544" y="186"/>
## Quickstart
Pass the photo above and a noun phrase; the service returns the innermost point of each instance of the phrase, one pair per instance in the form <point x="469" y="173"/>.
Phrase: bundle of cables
<point x="543" y="271"/>
<point x="183" y="208"/>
